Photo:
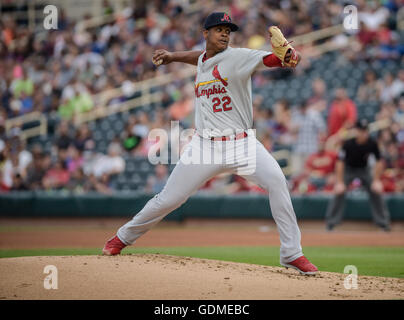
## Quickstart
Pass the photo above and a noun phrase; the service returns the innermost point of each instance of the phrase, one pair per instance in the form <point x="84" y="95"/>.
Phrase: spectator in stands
<point x="318" y="100"/>
<point x="282" y="129"/>
<point x="110" y="164"/>
<point x="181" y="110"/>
<point x="10" y="169"/>
<point x="16" y="161"/>
<point x="75" y="159"/>
<point x="386" y="112"/>
<point x="365" y="35"/>
<point x="342" y="114"/>
<point x="63" y="140"/>
<point x="353" y="163"/>
<point x="5" y="180"/>
<point x="8" y="30"/>
<point x="57" y="177"/>
<point x="83" y="139"/>
<point x="399" y="114"/>
<point x="392" y="151"/>
<point x="264" y="119"/>
<point x="318" y="172"/>
<point x="99" y="184"/>
<point x="259" y="117"/>
<point x="369" y="90"/>
<point x="37" y="169"/>
<point x="142" y="126"/>
<point x="157" y="182"/>
<point x="391" y="162"/>
<point x="75" y="99"/>
<point x="385" y="85"/>
<point x="130" y="141"/>
<point x="391" y="88"/>
<point x="3" y="159"/>
<point x="27" y="103"/>
<point x="19" y="183"/>
<point x="398" y="85"/>
<point x="66" y="109"/>
<point x="385" y="136"/>
<point x="77" y="181"/>
<point x="321" y="167"/>
<point x="21" y="84"/>
<point x="309" y="127"/>
<point x="373" y="15"/>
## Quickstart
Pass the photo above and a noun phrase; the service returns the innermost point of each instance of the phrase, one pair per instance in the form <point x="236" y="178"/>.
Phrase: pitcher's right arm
<point x="164" y="57"/>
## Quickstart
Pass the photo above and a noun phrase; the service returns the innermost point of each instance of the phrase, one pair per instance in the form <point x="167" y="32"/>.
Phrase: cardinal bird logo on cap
<point x="225" y="18"/>
<point x="216" y="75"/>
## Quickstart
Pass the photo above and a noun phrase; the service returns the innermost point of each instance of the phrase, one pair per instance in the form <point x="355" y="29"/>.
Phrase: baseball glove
<point x="281" y="47"/>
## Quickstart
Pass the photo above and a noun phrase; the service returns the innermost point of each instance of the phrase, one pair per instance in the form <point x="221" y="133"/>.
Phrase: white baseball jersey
<point x="223" y="97"/>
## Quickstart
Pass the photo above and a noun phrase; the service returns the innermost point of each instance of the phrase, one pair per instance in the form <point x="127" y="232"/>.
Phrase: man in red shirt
<point x="321" y="163"/>
<point x="319" y="171"/>
<point x="342" y="114"/>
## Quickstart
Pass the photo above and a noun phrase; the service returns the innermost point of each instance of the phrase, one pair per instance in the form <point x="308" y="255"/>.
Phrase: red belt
<point x="241" y="135"/>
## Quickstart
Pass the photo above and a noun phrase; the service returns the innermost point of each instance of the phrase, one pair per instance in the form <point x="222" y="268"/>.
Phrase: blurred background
<point x="77" y="103"/>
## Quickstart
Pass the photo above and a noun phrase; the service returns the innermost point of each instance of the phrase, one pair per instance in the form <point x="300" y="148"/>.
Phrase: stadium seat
<point x="92" y="125"/>
<point x="105" y="124"/>
<point x="97" y="135"/>
<point x="118" y="126"/>
<point x="130" y="167"/>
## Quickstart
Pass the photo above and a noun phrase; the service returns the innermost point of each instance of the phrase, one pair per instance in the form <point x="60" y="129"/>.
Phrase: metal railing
<point x="40" y="129"/>
<point x="128" y="105"/>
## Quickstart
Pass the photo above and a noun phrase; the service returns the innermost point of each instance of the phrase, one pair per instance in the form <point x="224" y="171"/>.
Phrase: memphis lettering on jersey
<point x="211" y="91"/>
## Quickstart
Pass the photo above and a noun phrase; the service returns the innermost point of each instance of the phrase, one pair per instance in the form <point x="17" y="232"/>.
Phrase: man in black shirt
<point x="353" y="163"/>
<point x="63" y="140"/>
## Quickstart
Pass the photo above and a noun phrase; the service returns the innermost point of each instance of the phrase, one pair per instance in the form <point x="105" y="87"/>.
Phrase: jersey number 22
<point x="216" y="104"/>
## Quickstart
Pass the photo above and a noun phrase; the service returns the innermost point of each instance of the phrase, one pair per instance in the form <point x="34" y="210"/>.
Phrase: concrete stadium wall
<point x="42" y="204"/>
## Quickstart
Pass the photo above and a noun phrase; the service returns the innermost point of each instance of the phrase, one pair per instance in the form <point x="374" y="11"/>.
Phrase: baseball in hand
<point x="157" y="62"/>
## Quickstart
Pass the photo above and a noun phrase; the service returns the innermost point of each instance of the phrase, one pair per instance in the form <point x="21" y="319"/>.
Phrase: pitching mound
<point x="154" y="276"/>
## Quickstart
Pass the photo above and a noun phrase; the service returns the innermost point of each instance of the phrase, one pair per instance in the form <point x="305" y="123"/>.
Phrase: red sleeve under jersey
<point x="272" y="60"/>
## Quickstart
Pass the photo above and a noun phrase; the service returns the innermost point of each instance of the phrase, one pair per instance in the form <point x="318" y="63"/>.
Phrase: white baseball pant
<point x="186" y="179"/>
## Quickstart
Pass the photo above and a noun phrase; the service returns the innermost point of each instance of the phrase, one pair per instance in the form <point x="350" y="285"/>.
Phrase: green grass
<point x="372" y="261"/>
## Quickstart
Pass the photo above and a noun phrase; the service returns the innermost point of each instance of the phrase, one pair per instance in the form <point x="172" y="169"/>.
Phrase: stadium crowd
<point x="60" y="72"/>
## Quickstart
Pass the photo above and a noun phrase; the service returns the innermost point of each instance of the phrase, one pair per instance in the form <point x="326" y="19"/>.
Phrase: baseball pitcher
<point x="224" y="118"/>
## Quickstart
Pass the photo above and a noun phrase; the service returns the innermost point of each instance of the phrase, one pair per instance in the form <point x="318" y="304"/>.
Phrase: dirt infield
<point x="92" y="233"/>
<point x="152" y="276"/>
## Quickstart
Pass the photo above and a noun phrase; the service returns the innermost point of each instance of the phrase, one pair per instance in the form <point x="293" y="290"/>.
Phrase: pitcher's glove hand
<point x="282" y="48"/>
